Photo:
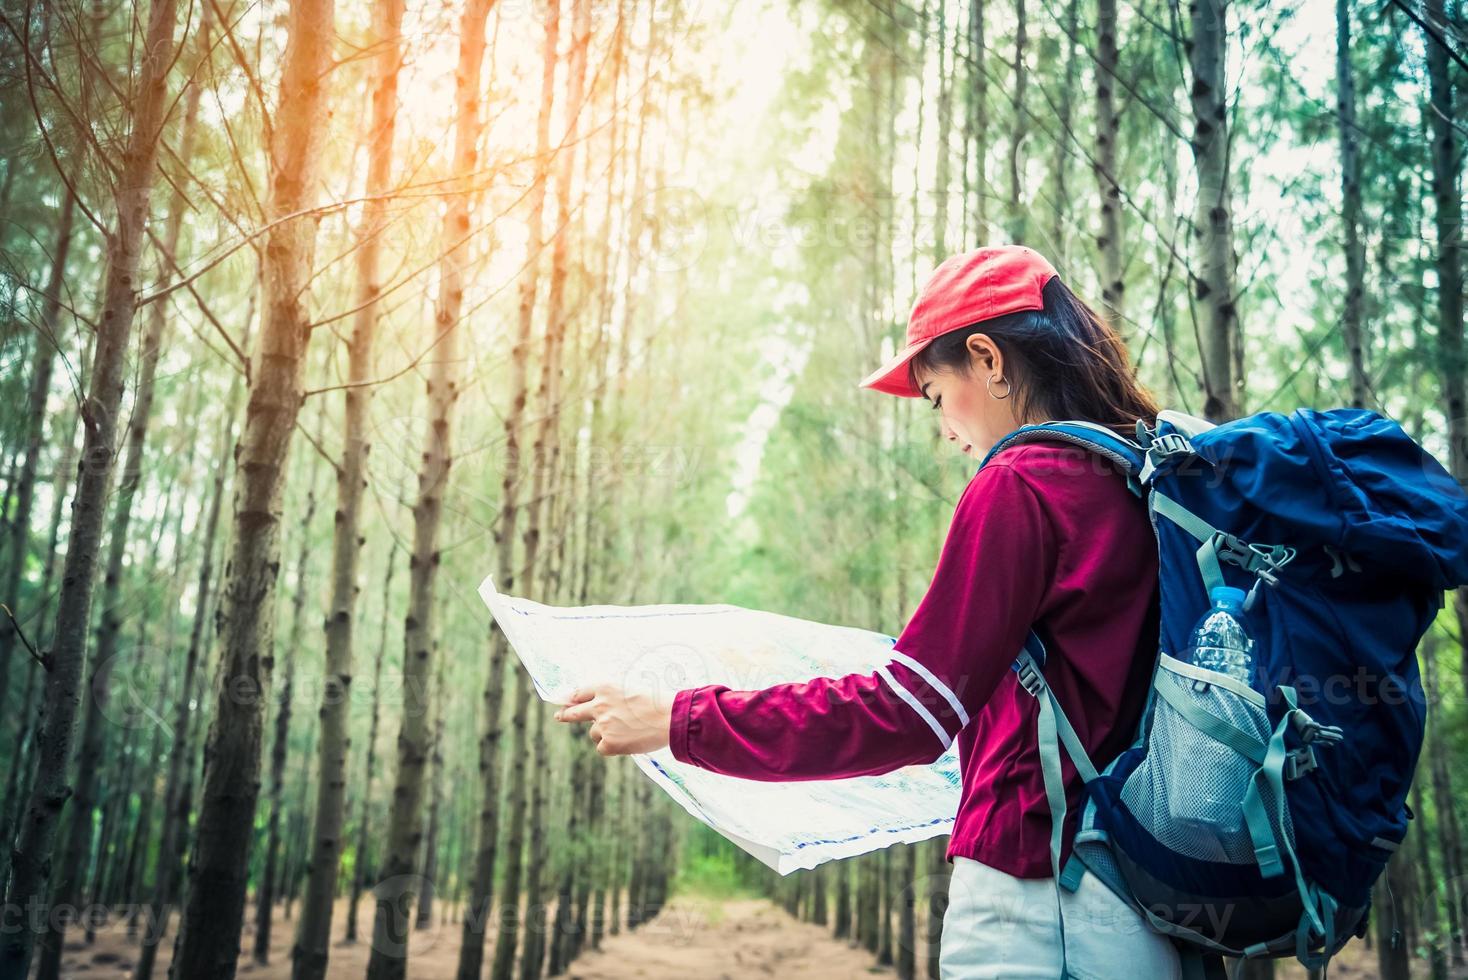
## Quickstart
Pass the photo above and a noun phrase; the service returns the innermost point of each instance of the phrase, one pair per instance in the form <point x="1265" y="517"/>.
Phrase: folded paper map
<point x="666" y="648"/>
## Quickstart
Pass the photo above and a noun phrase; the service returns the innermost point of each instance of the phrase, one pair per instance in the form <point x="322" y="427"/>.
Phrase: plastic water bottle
<point x="1220" y="642"/>
<point x="1210" y="806"/>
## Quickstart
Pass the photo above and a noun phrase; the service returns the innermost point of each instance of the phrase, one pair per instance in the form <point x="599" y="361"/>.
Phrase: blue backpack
<point x="1345" y="534"/>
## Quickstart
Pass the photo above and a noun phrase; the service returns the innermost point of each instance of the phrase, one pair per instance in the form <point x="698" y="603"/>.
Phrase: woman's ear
<point x="984" y="356"/>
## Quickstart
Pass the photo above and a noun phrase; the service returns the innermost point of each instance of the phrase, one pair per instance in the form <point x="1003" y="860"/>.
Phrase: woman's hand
<point x="621" y="723"/>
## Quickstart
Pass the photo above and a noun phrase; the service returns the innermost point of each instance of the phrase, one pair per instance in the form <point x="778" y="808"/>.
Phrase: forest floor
<point x="693" y="938"/>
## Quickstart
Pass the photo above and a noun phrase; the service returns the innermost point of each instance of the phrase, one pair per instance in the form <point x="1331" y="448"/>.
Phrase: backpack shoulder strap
<point x="1054" y="730"/>
<point x="1127" y="454"/>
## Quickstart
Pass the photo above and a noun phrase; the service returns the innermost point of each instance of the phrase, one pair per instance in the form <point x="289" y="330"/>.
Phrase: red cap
<point x="963" y="290"/>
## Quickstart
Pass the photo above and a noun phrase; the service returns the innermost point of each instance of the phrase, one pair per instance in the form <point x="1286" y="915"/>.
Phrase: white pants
<point x="999" y="927"/>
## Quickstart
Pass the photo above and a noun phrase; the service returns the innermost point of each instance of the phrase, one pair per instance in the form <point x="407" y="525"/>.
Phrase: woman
<point x="1044" y="536"/>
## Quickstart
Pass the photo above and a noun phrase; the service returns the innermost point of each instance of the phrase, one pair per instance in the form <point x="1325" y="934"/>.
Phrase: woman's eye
<point x="936" y="402"/>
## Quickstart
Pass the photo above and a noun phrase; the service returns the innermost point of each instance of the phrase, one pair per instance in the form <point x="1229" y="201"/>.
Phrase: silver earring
<point x="1008" y="389"/>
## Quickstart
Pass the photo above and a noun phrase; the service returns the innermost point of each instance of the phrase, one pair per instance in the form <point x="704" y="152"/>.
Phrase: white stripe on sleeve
<point x="916" y="705"/>
<point x="933" y="682"/>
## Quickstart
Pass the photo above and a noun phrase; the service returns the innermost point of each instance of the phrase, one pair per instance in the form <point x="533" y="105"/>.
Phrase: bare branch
<point x="43" y="661"/>
<point x="199" y="301"/>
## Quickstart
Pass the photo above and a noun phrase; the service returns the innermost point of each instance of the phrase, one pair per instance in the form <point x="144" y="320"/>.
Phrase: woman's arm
<point x="995" y="565"/>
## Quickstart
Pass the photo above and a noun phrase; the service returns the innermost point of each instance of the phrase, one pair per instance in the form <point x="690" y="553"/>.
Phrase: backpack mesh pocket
<point x="1187" y="791"/>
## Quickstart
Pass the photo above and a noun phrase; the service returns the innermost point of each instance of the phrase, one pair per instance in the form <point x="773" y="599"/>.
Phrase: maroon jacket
<point x="1043" y="535"/>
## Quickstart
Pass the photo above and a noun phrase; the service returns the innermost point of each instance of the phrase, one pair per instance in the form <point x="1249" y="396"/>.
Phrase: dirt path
<point x="694" y="938"/>
<point x="735" y="940"/>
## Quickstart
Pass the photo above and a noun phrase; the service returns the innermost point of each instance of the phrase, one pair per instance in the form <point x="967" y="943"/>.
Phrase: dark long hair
<point x="1062" y="362"/>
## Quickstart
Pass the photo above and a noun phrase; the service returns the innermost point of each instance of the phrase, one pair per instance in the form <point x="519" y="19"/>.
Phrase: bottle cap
<point x="1226" y="594"/>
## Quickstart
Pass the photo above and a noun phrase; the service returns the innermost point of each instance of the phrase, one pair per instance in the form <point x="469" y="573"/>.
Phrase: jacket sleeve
<point x="995" y="565"/>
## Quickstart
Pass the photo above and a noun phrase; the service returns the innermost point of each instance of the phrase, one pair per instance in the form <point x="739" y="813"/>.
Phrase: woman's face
<point x="970" y="416"/>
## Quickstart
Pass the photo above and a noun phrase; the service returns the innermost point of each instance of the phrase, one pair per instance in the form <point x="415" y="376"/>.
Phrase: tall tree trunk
<point x="884" y="908"/>
<point x="617" y="862"/>
<point x="128" y="889"/>
<point x="18" y="780"/>
<point x="43" y="361"/>
<point x="841" y="926"/>
<point x="591" y="897"/>
<point x="636" y="223"/>
<point x="424" y="917"/>
<point x="1448" y="262"/>
<point x="906" y="913"/>
<point x="1431" y="925"/>
<point x="364" y="821"/>
<point x="660" y="857"/>
<point x="390" y="924"/>
<point x="544" y="459"/>
<point x="1439" y="761"/>
<point x="293" y="869"/>
<point x="532" y="961"/>
<point x="31" y="865"/>
<point x="311" y="951"/>
<point x="1018" y="219"/>
<point x="280" y="747"/>
<point x="1108" y="132"/>
<point x="1393" y="949"/>
<point x="587" y="853"/>
<point x="979" y="116"/>
<point x="555" y="317"/>
<point x="177" y="787"/>
<point x="562" y="936"/>
<point x="915" y="203"/>
<point x="945" y="128"/>
<point x="1214" y="282"/>
<point x="28" y="729"/>
<point x="506" y="933"/>
<point x="640" y="885"/>
<point x="937" y="895"/>
<point x="507" y="926"/>
<point x="637" y="873"/>
<point x="1065" y="112"/>
<point x="819" y="903"/>
<point x="1350" y="205"/>
<point x="1171" y="392"/>
<point x="89" y="754"/>
<point x="213" y="917"/>
<point x="110" y="809"/>
<point x="867" y="901"/>
<point x="476" y="917"/>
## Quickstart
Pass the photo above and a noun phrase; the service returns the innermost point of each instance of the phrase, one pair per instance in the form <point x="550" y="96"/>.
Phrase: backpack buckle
<point x="1030" y="677"/>
<point x="1299" y="762"/>
<point x="1312" y="733"/>
<point x="1162" y="448"/>
<point x="1171" y="444"/>
<point x="1263" y="560"/>
<point x="1340" y="561"/>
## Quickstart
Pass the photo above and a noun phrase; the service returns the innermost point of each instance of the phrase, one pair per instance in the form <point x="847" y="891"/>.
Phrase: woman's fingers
<point x="576" y="713"/>
<point x="579" y="707"/>
<point x="585" y="711"/>
<point x="621" y="723"/>
<point x="604" y="746"/>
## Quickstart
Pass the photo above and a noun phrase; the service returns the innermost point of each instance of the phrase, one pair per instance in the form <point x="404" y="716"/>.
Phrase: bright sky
<point x="760" y="42"/>
<point x="750" y="47"/>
